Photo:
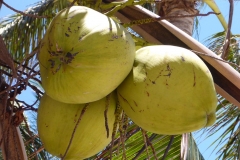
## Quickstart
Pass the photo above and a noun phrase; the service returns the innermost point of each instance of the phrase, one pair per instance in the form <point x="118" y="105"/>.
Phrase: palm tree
<point x="130" y="142"/>
<point x="175" y="8"/>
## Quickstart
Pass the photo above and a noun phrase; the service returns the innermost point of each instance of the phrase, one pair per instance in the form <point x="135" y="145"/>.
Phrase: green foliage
<point x="228" y="121"/>
<point x="22" y="34"/>
<point x="141" y="145"/>
<point x="228" y="115"/>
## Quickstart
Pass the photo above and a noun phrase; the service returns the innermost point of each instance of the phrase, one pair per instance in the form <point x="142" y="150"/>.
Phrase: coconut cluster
<point x="88" y="63"/>
<point x="83" y="57"/>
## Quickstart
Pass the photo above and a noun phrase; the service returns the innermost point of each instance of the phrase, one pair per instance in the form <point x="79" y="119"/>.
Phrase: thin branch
<point x="228" y="36"/>
<point x="203" y="54"/>
<point x="35" y="89"/>
<point x="118" y="113"/>
<point x="122" y="136"/>
<point x="144" y="146"/>
<point x="122" y="140"/>
<point x="31" y="139"/>
<point x="150" y="144"/>
<point x="21" y="78"/>
<point x="10" y="75"/>
<point x="145" y="142"/>
<point x="28" y="56"/>
<point x="28" y="107"/>
<point x="18" y="83"/>
<point x="149" y="20"/>
<point x="31" y="135"/>
<point x="116" y="141"/>
<point x="124" y="126"/>
<point x="168" y="148"/>
<point x="105" y="114"/>
<point x="75" y="128"/>
<point x="74" y="1"/>
<point x="22" y="13"/>
<point x="35" y="152"/>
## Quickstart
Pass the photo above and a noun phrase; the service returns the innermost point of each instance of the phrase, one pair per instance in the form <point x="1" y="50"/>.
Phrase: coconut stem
<point x="118" y="113"/>
<point x="105" y="114"/>
<point x="75" y="128"/>
<point x="145" y="142"/>
<point x="148" y="143"/>
<point x="122" y="134"/>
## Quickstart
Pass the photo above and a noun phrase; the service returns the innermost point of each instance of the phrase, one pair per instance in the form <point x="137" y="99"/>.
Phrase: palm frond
<point x="22" y="34"/>
<point x="216" y="42"/>
<point x="141" y="145"/>
<point x="192" y="152"/>
<point x="228" y="120"/>
<point x="227" y="145"/>
<point x="33" y="144"/>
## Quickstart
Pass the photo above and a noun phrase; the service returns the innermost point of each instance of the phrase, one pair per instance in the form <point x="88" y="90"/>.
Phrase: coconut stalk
<point x="226" y="78"/>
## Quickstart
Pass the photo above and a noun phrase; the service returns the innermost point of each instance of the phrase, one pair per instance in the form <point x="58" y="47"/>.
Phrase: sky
<point x="208" y="26"/>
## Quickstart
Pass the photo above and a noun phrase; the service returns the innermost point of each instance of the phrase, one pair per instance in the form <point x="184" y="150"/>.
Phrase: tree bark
<point x="12" y="145"/>
<point x="176" y="8"/>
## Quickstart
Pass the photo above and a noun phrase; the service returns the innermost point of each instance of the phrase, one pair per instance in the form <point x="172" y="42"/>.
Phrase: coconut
<point x="169" y="91"/>
<point x="56" y="122"/>
<point x="84" y="55"/>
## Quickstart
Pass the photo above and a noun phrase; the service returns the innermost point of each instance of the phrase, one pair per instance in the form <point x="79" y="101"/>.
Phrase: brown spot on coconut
<point x="89" y="63"/>
<point x="183" y="98"/>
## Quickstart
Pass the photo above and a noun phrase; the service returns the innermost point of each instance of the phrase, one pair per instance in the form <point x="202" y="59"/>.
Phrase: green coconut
<point x="56" y="122"/>
<point x="169" y="91"/>
<point x="84" y="55"/>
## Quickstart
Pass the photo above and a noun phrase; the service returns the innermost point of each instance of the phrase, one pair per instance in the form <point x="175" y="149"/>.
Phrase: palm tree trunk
<point x="179" y="7"/>
<point x="10" y="138"/>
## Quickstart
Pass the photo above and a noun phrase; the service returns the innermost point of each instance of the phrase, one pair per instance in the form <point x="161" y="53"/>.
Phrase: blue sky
<point x="208" y="26"/>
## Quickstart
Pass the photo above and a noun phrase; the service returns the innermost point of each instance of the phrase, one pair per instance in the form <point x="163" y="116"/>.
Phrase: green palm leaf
<point x="228" y="122"/>
<point x="22" y="34"/>
<point x="153" y="146"/>
<point x="216" y="43"/>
